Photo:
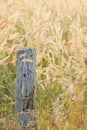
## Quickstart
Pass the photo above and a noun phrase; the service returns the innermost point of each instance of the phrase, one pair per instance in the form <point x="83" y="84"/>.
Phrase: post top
<point x="25" y="50"/>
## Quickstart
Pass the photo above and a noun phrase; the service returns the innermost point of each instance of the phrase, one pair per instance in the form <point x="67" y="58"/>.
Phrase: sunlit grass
<point x="58" y="31"/>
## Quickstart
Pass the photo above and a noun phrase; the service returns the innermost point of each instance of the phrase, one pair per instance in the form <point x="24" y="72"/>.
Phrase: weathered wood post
<point x="25" y="86"/>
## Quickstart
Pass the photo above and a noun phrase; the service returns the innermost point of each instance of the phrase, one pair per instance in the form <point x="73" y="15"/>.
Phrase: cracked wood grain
<point x="25" y="84"/>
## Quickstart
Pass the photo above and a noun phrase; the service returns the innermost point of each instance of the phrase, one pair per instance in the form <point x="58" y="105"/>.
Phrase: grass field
<point x="58" y="31"/>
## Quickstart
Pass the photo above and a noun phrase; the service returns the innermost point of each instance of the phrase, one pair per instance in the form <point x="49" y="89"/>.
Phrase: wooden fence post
<point x="25" y="87"/>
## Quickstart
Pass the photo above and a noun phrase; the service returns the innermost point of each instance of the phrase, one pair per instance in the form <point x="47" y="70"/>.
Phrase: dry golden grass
<point x="58" y="31"/>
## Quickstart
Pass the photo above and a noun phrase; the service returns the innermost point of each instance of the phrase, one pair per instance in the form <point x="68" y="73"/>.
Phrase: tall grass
<point x="58" y="31"/>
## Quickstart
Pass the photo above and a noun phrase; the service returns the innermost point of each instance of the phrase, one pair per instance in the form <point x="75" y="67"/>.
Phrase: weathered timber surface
<point x="25" y="85"/>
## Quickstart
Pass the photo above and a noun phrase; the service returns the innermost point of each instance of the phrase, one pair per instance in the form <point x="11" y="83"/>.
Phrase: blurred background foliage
<point x="58" y="31"/>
